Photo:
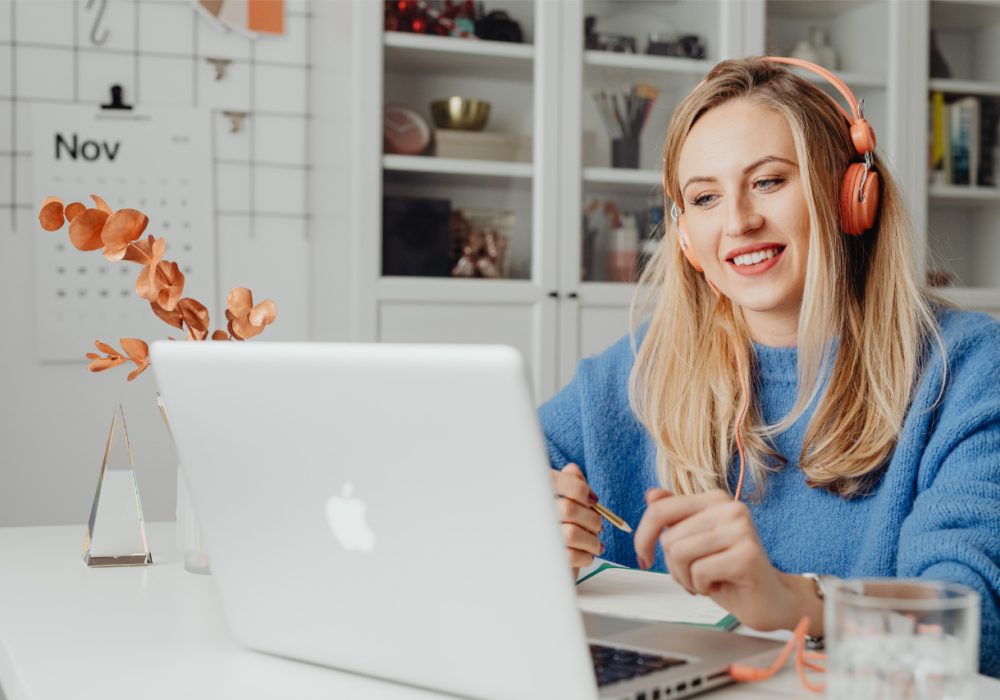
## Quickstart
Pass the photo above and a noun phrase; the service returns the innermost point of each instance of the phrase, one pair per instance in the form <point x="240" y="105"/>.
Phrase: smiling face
<point x="746" y="213"/>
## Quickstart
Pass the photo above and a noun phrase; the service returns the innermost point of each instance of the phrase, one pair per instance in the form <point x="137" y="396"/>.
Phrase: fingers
<point x="570" y="483"/>
<point x="683" y="554"/>
<point x="666" y="512"/>
<point x="653" y="495"/>
<point x="584" y="540"/>
<point x="579" y="559"/>
<point x="714" y="517"/>
<point x="572" y="512"/>
<point x="709" y="572"/>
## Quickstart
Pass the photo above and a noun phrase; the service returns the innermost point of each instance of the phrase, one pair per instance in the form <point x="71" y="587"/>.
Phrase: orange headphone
<point x="859" y="194"/>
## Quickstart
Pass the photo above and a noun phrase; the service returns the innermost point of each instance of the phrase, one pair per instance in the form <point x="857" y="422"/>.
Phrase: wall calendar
<point x="158" y="161"/>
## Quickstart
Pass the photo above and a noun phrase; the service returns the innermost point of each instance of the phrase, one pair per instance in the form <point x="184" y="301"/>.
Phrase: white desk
<point x="67" y="631"/>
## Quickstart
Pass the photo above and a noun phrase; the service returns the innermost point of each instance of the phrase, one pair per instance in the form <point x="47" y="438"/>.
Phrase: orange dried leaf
<point x="85" y="230"/>
<point x="232" y="331"/>
<point x="172" y="280"/>
<point x="195" y="334"/>
<point x="245" y="329"/>
<point x="136" y="372"/>
<point x="172" y="317"/>
<point x="195" y="315"/>
<point x="93" y="356"/>
<point x="140" y="252"/>
<point x="148" y="285"/>
<point x="99" y="203"/>
<point x="220" y="335"/>
<point x="74" y="210"/>
<point x="240" y="301"/>
<point x="105" y="363"/>
<point x="107" y="349"/>
<point x="51" y="216"/>
<point x="49" y="200"/>
<point x="263" y="314"/>
<point x="121" y="228"/>
<point x="136" y="349"/>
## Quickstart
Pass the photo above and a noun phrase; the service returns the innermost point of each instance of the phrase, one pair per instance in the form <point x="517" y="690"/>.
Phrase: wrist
<point x="803" y="602"/>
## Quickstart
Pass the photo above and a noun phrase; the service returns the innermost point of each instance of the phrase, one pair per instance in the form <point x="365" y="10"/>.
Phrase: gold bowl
<point x="460" y="113"/>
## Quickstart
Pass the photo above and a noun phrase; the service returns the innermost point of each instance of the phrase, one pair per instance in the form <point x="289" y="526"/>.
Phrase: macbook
<point x="388" y="510"/>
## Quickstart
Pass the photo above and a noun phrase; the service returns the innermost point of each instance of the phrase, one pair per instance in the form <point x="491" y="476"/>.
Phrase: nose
<point x="741" y="216"/>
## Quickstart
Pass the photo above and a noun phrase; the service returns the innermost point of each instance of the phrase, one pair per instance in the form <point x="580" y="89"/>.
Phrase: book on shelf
<point x="964" y="140"/>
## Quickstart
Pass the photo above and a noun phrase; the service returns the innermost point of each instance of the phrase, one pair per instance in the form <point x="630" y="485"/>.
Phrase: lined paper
<point x="646" y="595"/>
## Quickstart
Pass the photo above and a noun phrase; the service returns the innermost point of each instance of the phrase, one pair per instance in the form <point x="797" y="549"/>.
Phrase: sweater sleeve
<point x="562" y="422"/>
<point x="953" y="531"/>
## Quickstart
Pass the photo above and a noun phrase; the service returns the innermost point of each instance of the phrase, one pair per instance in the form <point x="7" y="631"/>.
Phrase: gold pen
<point x="611" y="517"/>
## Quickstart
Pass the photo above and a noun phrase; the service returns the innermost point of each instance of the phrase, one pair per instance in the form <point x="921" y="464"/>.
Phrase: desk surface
<point x="158" y="632"/>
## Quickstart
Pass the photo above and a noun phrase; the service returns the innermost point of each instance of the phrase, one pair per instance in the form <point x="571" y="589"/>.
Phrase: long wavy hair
<point x="863" y="328"/>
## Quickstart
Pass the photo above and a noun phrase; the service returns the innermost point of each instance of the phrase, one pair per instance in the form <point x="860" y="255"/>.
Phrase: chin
<point x="764" y="301"/>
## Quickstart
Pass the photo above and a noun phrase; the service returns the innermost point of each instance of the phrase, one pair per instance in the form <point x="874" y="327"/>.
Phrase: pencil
<point x="611" y="517"/>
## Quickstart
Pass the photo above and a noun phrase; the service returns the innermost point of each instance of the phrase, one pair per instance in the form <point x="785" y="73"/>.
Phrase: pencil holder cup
<point x="189" y="541"/>
<point x="625" y="152"/>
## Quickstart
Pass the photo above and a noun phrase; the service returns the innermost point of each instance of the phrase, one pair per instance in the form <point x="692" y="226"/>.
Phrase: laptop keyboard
<point x="613" y="665"/>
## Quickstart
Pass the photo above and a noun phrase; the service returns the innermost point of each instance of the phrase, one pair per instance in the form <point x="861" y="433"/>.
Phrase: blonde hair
<point x="863" y="325"/>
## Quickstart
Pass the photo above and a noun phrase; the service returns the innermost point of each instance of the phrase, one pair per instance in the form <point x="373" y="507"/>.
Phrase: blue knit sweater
<point x="935" y="512"/>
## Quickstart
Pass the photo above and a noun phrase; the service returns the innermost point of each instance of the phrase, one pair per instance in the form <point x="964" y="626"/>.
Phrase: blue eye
<point x="769" y="183"/>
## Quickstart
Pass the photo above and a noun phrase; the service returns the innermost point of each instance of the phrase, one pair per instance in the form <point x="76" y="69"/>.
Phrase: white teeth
<point x="754" y="258"/>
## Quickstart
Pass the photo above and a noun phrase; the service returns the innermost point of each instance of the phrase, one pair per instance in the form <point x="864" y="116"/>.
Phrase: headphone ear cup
<point x="856" y="216"/>
<point x="688" y="250"/>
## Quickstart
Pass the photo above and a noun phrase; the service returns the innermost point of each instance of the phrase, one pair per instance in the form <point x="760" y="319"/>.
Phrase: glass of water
<point x="901" y="640"/>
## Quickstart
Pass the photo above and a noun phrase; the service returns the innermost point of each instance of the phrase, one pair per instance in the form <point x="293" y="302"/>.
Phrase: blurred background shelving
<point x="963" y="220"/>
<point x="559" y="305"/>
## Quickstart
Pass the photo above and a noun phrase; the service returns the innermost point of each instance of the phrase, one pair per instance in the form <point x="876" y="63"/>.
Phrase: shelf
<point x="645" y="62"/>
<point x="970" y="87"/>
<point x="623" y="178"/>
<point x="663" y="71"/>
<point x="809" y="9"/>
<point x="457" y="166"/>
<point x="440" y="55"/>
<point x="964" y="193"/>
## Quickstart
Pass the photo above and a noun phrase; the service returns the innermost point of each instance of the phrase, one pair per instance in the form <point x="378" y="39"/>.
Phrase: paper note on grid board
<point x="158" y="161"/>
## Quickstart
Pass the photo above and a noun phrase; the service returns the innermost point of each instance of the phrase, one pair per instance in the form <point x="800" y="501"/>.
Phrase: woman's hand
<point x="711" y="547"/>
<point x="580" y="523"/>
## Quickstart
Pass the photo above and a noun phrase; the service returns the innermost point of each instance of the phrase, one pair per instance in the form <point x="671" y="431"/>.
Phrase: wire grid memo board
<point x="157" y="161"/>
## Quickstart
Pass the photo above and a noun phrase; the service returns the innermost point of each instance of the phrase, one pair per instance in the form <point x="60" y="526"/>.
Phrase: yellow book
<point x="938" y="131"/>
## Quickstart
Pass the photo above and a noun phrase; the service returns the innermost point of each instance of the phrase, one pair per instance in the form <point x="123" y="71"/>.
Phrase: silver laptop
<point x="388" y="510"/>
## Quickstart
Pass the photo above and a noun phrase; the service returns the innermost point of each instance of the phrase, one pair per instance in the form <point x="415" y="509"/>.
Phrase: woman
<point x="872" y="438"/>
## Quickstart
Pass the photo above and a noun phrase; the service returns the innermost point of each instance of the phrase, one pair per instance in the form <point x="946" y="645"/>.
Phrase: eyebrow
<point x="753" y="166"/>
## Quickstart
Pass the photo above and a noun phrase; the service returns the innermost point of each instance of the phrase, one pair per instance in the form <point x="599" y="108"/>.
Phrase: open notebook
<point x="647" y="595"/>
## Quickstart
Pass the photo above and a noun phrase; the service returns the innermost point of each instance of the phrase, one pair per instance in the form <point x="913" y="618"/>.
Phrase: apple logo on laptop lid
<point x="346" y="517"/>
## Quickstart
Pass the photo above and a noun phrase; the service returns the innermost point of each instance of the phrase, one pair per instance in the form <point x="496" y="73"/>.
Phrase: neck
<point x="773" y="329"/>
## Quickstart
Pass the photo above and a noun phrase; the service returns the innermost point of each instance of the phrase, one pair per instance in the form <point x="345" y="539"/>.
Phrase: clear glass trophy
<point x="115" y="533"/>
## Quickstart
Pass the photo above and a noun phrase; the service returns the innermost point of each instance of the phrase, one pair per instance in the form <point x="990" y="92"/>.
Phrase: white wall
<point x="54" y="418"/>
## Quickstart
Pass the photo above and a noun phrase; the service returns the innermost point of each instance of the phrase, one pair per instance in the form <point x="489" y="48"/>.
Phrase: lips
<point x="755" y="259"/>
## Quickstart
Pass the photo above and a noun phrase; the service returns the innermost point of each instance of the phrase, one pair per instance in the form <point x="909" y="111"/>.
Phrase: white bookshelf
<point x="438" y="55"/>
<point x="963" y="222"/>
<point x="457" y="166"/>
<point x="622" y="176"/>
<point x="965" y="87"/>
<point x="963" y="193"/>
<point x="542" y="89"/>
